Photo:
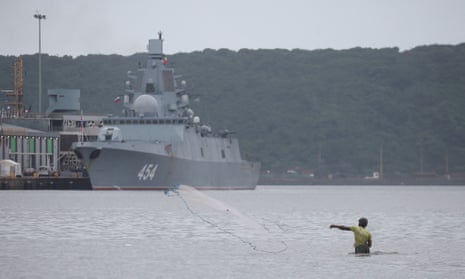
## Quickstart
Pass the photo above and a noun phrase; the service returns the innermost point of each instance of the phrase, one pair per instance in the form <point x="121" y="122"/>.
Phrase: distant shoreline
<point x="399" y="181"/>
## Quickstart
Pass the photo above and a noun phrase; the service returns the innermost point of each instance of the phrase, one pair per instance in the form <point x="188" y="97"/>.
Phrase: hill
<point x="328" y="111"/>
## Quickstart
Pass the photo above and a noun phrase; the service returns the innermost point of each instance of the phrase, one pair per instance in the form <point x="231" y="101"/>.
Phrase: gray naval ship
<point x="158" y="143"/>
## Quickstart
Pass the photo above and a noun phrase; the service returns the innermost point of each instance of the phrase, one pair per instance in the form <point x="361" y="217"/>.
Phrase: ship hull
<point x="120" y="169"/>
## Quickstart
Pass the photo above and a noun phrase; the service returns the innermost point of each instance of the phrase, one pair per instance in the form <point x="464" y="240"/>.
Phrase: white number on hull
<point x="147" y="172"/>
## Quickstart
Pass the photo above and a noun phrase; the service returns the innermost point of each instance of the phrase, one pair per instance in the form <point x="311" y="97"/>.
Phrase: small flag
<point x="168" y="149"/>
<point x="117" y="100"/>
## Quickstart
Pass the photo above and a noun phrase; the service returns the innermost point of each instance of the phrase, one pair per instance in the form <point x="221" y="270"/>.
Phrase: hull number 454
<point x="147" y="172"/>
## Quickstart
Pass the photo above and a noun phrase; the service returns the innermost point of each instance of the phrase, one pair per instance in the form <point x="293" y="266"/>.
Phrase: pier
<point x="45" y="183"/>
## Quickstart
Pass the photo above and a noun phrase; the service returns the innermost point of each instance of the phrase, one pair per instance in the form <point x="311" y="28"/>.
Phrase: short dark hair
<point x="363" y="222"/>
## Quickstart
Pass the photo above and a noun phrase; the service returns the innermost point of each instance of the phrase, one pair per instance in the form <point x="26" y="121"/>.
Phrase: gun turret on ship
<point x="159" y="143"/>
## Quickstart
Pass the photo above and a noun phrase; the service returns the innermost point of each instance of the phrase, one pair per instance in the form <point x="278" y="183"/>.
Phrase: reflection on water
<point x="201" y="235"/>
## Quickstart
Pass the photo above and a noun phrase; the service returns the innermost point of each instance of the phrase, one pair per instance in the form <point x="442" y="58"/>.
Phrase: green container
<point x="49" y="146"/>
<point x="32" y="145"/>
<point x="13" y="144"/>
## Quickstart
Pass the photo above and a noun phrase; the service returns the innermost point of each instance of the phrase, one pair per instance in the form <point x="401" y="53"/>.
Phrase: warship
<point x="158" y="142"/>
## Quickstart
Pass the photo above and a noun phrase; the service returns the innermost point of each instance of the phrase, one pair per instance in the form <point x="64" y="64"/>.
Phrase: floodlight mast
<point x="39" y="17"/>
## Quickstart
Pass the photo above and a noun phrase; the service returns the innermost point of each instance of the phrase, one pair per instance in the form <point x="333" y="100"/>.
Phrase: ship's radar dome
<point x="146" y="105"/>
<point x="190" y="113"/>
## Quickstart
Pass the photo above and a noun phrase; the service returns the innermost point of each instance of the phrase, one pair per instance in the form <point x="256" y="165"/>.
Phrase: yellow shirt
<point x="361" y="235"/>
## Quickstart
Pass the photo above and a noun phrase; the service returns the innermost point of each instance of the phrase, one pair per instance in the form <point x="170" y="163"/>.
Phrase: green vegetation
<point x="326" y="110"/>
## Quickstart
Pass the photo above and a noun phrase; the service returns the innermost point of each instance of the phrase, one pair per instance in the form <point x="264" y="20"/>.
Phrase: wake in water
<point x="374" y="253"/>
<point x="257" y="236"/>
<point x="378" y="253"/>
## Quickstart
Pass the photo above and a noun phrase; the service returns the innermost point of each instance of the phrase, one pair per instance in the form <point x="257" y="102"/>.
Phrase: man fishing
<point x="361" y="234"/>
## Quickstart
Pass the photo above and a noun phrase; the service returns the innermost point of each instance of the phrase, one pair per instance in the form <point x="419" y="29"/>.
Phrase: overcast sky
<point x="80" y="27"/>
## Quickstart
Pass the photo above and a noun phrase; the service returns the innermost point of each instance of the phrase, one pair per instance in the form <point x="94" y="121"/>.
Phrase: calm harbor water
<point x="272" y="232"/>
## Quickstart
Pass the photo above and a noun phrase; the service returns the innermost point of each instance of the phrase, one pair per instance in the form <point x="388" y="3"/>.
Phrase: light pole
<point x="40" y="17"/>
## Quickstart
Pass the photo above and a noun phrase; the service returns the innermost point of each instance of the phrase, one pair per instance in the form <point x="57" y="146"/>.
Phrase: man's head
<point x="363" y="222"/>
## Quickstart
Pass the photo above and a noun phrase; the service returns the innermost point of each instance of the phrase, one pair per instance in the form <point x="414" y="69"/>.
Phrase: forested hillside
<point x="325" y="110"/>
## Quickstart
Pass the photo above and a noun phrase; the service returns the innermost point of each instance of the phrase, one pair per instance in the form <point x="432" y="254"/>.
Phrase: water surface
<point x="272" y="232"/>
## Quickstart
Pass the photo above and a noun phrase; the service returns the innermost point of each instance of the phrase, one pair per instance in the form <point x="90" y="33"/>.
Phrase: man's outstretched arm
<point x="344" y="228"/>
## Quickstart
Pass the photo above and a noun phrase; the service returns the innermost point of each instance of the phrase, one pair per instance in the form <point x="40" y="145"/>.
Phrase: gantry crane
<point x="15" y="96"/>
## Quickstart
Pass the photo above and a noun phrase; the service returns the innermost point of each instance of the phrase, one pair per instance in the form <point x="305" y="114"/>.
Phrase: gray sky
<point x="80" y="27"/>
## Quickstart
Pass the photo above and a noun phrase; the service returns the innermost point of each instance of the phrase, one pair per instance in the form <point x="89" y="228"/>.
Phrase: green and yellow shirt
<point x="361" y="235"/>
